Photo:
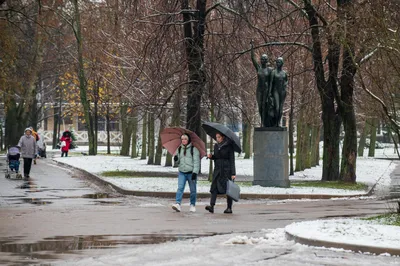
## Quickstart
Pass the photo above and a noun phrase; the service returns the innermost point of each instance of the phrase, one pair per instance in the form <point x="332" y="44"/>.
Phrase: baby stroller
<point x="13" y="163"/>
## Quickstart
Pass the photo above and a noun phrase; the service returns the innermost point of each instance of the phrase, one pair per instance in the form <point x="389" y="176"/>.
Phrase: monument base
<point x="271" y="160"/>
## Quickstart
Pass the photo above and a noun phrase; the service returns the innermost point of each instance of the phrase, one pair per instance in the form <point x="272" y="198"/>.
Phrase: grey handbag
<point x="232" y="190"/>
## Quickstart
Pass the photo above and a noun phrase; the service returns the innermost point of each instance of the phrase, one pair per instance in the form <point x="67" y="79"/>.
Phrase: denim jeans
<point x="181" y="188"/>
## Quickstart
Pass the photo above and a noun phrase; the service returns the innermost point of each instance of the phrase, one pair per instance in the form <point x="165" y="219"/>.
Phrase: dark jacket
<point x="224" y="168"/>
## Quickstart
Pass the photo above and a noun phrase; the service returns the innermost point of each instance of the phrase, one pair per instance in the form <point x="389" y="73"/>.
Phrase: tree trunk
<point x="96" y="122"/>
<point x="14" y="127"/>
<point x="108" y="129"/>
<point x="307" y="146"/>
<point x="126" y="130"/>
<point x="299" y="145"/>
<point x="330" y="166"/>
<point x="134" y="134"/>
<point x="313" y="142"/>
<point x="175" y="122"/>
<point x="144" y="137"/>
<point x="246" y="139"/>
<point x="316" y="147"/>
<point x="330" y="118"/>
<point x="158" y="156"/>
<point x="193" y="29"/>
<point x="150" y="160"/>
<point x="291" y="131"/>
<point x="363" y="137"/>
<point x="349" y="151"/>
<point x="82" y="79"/>
<point x="372" y="141"/>
<point x="55" y="126"/>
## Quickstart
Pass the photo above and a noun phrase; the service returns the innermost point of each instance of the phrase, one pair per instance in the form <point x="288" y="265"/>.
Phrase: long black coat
<point x="224" y="167"/>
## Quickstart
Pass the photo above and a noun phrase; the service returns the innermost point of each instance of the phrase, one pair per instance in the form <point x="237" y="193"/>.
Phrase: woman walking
<point x="66" y="142"/>
<point x="188" y="160"/>
<point x="27" y="144"/>
<point x="224" y="169"/>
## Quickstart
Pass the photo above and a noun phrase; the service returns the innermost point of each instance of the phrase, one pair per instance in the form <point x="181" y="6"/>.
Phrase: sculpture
<point x="271" y="89"/>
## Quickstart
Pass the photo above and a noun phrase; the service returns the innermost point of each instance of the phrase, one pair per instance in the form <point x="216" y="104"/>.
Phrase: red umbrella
<point x="171" y="140"/>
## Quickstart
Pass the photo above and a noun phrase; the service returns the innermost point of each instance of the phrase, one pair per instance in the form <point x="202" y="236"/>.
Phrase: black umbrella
<point x="213" y="128"/>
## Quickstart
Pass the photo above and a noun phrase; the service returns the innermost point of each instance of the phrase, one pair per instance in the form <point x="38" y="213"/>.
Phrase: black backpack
<point x="191" y="150"/>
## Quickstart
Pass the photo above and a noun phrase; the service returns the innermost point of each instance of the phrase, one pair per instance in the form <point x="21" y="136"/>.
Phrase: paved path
<point x="56" y="205"/>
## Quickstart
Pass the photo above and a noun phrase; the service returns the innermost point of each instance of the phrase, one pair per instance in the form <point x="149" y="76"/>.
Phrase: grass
<point x="387" y="219"/>
<point x="331" y="184"/>
<point x="334" y="185"/>
<point x="240" y="183"/>
<point x="136" y="174"/>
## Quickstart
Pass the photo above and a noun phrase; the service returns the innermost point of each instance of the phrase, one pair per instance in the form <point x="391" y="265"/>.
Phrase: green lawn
<point x="135" y="174"/>
<point x="387" y="218"/>
<point x="331" y="184"/>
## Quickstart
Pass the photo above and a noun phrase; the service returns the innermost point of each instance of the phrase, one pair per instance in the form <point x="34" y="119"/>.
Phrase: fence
<point x="82" y="137"/>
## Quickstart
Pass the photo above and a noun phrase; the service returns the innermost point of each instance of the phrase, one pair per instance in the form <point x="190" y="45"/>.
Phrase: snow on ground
<point x="265" y="247"/>
<point x="369" y="170"/>
<point x="349" y="231"/>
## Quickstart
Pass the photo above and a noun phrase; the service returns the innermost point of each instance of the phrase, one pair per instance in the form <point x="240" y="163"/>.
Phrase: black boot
<point x="210" y="208"/>
<point x="228" y="210"/>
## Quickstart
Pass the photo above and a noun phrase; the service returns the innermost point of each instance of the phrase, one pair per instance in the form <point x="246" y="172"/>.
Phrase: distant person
<point x="27" y="144"/>
<point x="224" y="169"/>
<point x="188" y="160"/>
<point x="65" y="143"/>
<point x="36" y="136"/>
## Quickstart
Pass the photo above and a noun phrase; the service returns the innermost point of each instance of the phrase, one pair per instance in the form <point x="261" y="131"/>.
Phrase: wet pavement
<point x="58" y="215"/>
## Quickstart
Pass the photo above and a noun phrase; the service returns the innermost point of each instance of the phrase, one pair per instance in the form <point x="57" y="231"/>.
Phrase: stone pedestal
<point x="271" y="160"/>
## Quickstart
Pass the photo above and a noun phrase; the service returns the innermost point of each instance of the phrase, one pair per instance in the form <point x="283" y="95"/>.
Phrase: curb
<point x="161" y="194"/>
<point x="346" y="246"/>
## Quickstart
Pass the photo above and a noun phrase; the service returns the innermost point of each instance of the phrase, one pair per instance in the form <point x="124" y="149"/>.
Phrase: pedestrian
<point x="65" y="143"/>
<point x="27" y="144"/>
<point x="36" y="136"/>
<point x="188" y="160"/>
<point x="224" y="169"/>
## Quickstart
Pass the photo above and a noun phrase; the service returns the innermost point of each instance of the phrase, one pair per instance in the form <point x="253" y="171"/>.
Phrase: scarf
<point x="225" y="142"/>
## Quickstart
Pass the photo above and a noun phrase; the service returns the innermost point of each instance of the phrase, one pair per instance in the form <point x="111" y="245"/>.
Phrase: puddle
<point x="97" y="196"/>
<point x="103" y="202"/>
<point x="65" y="244"/>
<point x="36" y="201"/>
<point x="28" y="184"/>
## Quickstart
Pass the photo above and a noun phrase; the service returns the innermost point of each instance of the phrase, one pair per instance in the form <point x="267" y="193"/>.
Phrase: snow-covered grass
<point x="349" y="231"/>
<point x="369" y="171"/>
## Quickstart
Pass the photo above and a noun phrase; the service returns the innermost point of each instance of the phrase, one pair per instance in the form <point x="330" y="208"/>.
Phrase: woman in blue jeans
<point x="188" y="160"/>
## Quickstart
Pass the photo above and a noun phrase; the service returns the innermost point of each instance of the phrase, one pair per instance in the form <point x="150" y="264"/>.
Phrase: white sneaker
<point x="192" y="208"/>
<point x="176" y="207"/>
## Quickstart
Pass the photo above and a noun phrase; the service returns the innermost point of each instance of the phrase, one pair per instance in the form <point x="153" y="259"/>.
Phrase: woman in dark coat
<point x="224" y="169"/>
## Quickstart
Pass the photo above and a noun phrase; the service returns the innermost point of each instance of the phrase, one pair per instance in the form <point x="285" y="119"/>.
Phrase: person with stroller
<point x="13" y="156"/>
<point x="27" y="144"/>
<point x="65" y="143"/>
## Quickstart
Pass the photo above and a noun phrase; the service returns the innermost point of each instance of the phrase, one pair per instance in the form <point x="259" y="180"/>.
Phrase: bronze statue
<point x="263" y="83"/>
<point x="271" y="89"/>
<point x="279" y="81"/>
